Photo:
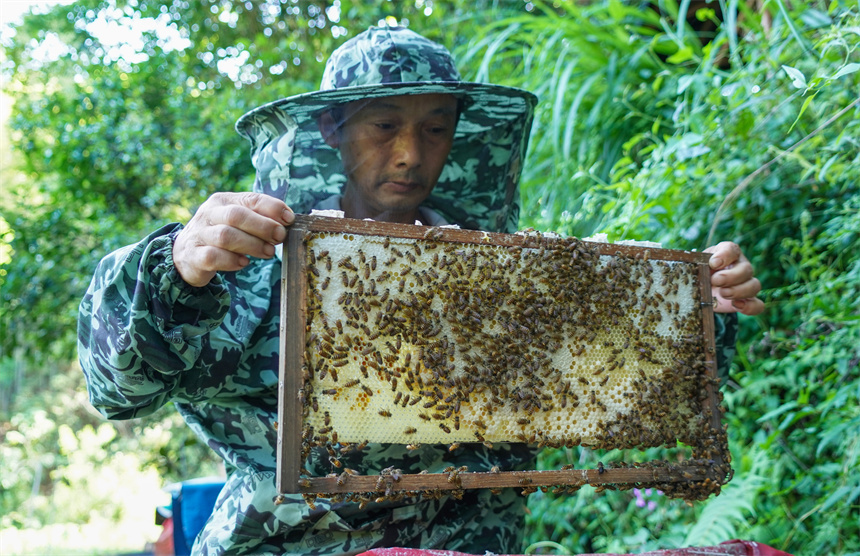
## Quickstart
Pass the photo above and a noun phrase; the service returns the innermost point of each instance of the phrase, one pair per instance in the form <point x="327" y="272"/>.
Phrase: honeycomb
<point x="542" y="340"/>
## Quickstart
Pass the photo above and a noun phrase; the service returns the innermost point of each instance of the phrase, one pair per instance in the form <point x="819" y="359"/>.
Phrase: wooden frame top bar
<point x="304" y="223"/>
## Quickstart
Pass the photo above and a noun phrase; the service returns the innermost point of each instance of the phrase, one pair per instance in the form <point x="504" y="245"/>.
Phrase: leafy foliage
<point x="751" y="136"/>
<point x="649" y="127"/>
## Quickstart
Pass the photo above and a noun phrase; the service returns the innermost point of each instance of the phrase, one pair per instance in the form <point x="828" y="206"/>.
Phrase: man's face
<point x="393" y="151"/>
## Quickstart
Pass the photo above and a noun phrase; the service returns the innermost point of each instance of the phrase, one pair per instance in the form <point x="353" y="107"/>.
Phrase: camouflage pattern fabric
<point x="479" y="186"/>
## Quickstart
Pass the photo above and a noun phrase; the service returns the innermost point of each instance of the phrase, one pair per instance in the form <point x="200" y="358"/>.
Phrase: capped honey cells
<point x="550" y="341"/>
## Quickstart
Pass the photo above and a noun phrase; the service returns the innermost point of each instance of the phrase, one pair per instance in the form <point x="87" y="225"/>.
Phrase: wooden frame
<point x="293" y="341"/>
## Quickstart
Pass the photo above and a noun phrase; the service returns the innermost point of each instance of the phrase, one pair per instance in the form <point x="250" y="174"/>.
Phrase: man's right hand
<point x="226" y="230"/>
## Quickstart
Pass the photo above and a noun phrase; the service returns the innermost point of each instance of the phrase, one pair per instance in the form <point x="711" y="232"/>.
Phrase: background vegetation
<point x="681" y="122"/>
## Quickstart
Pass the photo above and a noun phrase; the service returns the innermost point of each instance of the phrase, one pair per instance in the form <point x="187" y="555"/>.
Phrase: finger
<point x="723" y="254"/>
<point x="264" y="205"/>
<point x="248" y="221"/>
<point x="750" y="306"/>
<point x="733" y="275"/>
<point x="235" y="240"/>
<point x="750" y="288"/>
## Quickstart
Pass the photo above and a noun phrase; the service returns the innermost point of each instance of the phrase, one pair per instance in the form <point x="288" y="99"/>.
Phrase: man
<point x="190" y="314"/>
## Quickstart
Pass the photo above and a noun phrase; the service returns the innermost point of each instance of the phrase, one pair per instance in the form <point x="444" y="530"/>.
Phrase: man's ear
<point x="328" y="129"/>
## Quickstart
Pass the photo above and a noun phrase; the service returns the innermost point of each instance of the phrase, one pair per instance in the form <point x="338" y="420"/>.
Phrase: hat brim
<point x="478" y="187"/>
<point x="486" y="105"/>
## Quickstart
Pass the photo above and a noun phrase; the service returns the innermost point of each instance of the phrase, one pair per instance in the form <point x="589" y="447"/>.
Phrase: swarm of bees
<point x="548" y="341"/>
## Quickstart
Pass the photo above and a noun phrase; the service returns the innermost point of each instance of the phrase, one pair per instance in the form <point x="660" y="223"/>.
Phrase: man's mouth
<point x="401" y="186"/>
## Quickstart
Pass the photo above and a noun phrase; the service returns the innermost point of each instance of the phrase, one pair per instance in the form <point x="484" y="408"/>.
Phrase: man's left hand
<point x="732" y="281"/>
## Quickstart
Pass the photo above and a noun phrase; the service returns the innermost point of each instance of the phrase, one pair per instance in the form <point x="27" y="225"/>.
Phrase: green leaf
<point x="803" y="108"/>
<point x="683" y="54"/>
<point x="797" y="77"/>
<point x="846" y="70"/>
<point x="776" y="412"/>
<point x="835" y="497"/>
<point x="616" y="10"/>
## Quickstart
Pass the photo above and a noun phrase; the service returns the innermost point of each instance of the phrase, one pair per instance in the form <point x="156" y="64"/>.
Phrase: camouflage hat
<point x="478" y="187"/>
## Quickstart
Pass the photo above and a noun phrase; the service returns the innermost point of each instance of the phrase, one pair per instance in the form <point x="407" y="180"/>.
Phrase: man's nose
<point x="406" y="150"/>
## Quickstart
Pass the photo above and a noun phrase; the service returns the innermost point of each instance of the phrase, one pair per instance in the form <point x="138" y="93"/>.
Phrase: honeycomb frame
<point x="302" y="398"/>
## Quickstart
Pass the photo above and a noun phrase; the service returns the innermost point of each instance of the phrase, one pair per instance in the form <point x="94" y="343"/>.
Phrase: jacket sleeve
<point x="141" y="327"/>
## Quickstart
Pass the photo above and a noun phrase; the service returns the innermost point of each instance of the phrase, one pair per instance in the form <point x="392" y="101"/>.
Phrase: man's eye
<point x="384" y="125"/>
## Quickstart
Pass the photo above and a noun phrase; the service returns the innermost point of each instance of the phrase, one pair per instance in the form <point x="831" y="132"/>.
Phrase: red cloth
<point x="164" y="544"/>
<point x="728" y="548"/>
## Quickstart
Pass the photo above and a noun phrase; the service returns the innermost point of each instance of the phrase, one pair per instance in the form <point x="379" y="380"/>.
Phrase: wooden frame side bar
<point x="293" y="327"/>
<point x="709" y="334"/>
